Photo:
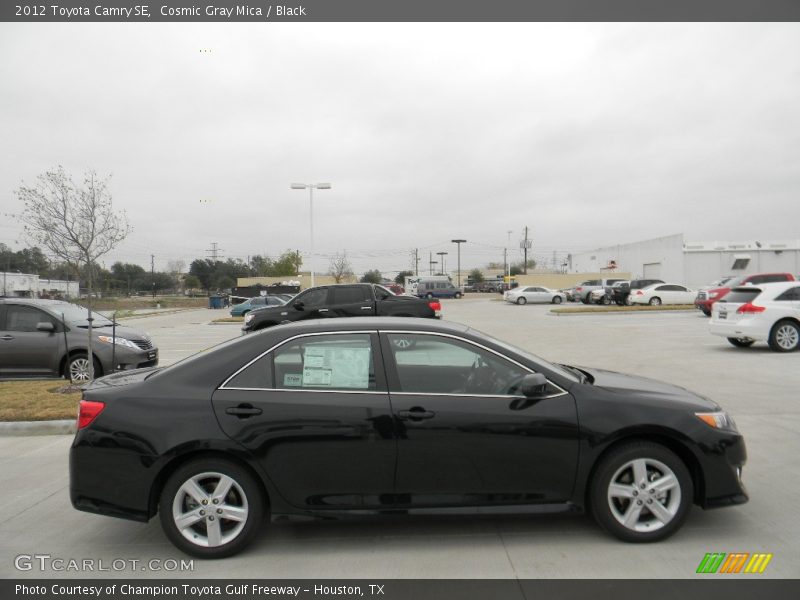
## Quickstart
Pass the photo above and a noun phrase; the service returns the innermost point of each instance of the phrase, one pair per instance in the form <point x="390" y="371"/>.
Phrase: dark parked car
<point x="345" y="300"/>
<point x="620" y="293"/>
<point x="35" y="343"/>
<point x="330" y="418"/>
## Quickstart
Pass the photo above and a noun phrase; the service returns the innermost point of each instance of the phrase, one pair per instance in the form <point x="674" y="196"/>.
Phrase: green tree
<point x="476" y="276"/>
<point x="401" y="277"/>
<point x="287" y="265"/>
<point x="372" y="276"/>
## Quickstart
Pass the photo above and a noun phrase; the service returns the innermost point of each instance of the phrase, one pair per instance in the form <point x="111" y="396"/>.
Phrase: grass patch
<point x="128" y="304"/>
<point x="229" y="320"/>
<point x="38" y="400"/>
<point x="619" y="309"/>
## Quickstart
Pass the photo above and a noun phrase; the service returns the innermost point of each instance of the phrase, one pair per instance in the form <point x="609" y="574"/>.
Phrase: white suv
<point x="768" y="312"/>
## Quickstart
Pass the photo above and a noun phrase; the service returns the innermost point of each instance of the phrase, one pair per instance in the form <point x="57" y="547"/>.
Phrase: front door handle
<point x="366" y="308"/>
<point x="323" y="310"/>
<point x="7" y="338"/>
<point x="416" y="413"/>
<point x="243" y="411"/>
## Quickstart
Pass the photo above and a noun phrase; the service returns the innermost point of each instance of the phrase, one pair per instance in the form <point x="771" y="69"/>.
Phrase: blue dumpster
<point x="215" y="302"/>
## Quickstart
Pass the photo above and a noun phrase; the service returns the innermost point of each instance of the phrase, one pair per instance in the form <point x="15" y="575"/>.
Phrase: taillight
<point x="578" y="289"/>
<point x="750" y="308"/>
<point x="88" y="412"/>
<point x="639" y="293"/>
<point x="435" y="305"/>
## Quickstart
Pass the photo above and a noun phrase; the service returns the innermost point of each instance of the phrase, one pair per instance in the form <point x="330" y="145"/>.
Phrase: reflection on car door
<point x="315" y="413"/>
<point x="24" y="350"/>
<point x="465" y="436"/>
<point x="350" y="301"/>
<point x="315" y="305"/>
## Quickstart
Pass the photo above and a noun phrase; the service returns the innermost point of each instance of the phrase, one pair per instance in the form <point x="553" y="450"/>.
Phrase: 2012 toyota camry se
<point x="337" y="417"/>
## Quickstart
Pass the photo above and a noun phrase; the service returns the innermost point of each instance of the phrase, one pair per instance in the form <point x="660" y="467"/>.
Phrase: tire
<point x="585" y="300"/>
<point x="522" y="300"/>
<point x="655" y="301"/>
<point x="458" y="296"/>
<point x="741" y="343"/>
<point x="557" y="300"/>
<point x="605" y="301"/>
<point x="628" y="301"/>
<point x="620" y="504"/>
<point x="619" y="302"/>
<point x="706" y="312"/>
<point x="785" y="336"/>
<point x="244" y="500"/>
<point x="77" y="367"/>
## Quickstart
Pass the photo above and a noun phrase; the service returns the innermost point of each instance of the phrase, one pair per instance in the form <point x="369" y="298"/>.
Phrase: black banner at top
<point x="254" y="11"/>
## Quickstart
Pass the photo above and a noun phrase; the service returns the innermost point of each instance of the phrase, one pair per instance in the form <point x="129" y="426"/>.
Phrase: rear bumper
<point x="744" y="328"/>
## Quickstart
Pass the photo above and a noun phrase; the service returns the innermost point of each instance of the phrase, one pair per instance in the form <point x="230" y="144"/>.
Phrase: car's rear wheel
<point x="556" y="299"/>
<point x="785" y="336"/>
<point x="522" y="300"/>
<point x="211" y="508"/>
<point x="628" y="301"/>
<point x="655" y="301"/>
<point x="605" y="300"/>
<point x="458" y="296"/>
<point x="77" y="368"/>
<point x="641" y="492"/>
<point x="741" y="342"/>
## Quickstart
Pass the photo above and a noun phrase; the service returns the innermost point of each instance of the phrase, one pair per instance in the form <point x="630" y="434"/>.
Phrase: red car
<point x="706" y="298"/>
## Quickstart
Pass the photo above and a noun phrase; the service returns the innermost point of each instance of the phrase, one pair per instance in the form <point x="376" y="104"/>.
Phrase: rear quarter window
<point x="741" y="296"/>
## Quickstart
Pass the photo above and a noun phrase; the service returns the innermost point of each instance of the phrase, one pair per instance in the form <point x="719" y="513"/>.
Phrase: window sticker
<point x="292" y="380"/>
<point x="336" y="366"/>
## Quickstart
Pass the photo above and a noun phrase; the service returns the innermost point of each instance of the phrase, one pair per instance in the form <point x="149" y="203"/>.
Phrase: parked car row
<point x="706" y="299"/>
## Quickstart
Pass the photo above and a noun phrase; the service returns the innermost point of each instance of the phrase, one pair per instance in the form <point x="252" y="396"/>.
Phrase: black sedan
<point x="334" y="417"/>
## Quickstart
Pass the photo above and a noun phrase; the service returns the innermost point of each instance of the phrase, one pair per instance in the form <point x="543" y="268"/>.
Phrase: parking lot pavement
<point x="758" y="387"/>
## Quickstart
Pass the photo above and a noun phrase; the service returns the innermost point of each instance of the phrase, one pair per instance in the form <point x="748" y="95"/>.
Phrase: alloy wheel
<point x="210" y="509"/>
<point x="787" y="337"/>
<point x="644" y="495"/>
<point x="79" y="369"/>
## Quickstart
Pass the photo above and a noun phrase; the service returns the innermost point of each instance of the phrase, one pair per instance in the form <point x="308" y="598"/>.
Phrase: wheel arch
<point x="665" y="437"/>
<point x="62" y="365"/>
<point x="178" y="461"/>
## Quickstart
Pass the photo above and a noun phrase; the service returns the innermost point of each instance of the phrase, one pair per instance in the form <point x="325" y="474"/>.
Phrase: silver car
<point x="49" y="338"/>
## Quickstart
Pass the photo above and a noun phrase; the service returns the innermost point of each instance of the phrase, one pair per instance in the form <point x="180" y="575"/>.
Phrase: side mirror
<point x="533" y="385"/>
<point x="44" y="326"/>
<point x="298" y="305"/>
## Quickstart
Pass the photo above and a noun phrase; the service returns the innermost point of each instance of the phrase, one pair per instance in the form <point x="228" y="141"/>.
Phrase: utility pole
<point x="416" y="262"/>
<point x="508" y="258"/>
<point x="458" y="245"/>
<point x="525" y="245"/>
<point x="431" y="262"/>
<point x="153" y="273"/>
<point x="442" y="254"/>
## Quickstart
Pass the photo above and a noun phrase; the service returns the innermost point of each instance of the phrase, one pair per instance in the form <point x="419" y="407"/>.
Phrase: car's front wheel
<point x="77" y="368"/>
<point x="211" y="508"/>
<point x="785" y="336"/>
<point x="655" y="301"/>
<point x="522" y="300"/>
<point x="556" y="299"/>
<point x="741" y="342"/>
<point x="641" y="492"/>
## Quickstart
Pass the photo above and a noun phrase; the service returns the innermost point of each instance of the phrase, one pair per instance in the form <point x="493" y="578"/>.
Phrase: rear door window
<point x="349" y="295"/>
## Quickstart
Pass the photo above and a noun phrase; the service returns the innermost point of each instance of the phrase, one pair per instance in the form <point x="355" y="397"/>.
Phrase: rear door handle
<point x="7" y="338"/>
<point x="323" y="310"/>
<point x="366" y="308"/>
<point x="243" y="411"/>
<point x="417" y="413"/>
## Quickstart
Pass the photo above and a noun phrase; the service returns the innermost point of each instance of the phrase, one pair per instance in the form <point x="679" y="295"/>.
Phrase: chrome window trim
<point x="278" y="345"/>
<point x="224" y="385"/>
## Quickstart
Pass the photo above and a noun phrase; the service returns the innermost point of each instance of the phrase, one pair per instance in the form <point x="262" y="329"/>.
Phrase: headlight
<point x="119" y="341"/>
<point x="717" y="420"/>
<point x="249" y="317"/>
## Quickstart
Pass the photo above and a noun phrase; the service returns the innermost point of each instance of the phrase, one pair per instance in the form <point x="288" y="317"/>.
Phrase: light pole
<point x="509" y="258"/>
<point x="311" y="187"/>
<point x="458" y="245"/>
<point x="443" y="254"/>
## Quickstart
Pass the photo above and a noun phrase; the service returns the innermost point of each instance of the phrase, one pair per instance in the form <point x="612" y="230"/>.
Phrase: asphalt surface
<point x="758" y="387"/>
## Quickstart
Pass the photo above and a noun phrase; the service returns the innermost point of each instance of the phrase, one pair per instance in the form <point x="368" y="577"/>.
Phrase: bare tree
<point x="76" y="223"/>
<point x="175" y="269"/>
<point x="340" y="267"/>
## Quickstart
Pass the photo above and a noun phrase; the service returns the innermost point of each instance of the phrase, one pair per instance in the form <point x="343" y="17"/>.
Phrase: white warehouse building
<point x="694" y="264"/>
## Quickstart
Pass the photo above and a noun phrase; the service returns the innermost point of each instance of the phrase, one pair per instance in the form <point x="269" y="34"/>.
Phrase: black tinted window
<point x="313" y="298"/>
<point x="349" y="295"/>
<point x="790" y="294"/>
<point x="25" y="318"/>
<point x="741" y="296"/>
<point x="258" y="375"/>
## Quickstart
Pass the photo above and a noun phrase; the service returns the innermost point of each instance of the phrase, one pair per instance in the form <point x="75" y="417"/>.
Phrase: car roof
<point x="32" y="301"/>
<point x="352" y="323"/>
<point x="767" y="286"/>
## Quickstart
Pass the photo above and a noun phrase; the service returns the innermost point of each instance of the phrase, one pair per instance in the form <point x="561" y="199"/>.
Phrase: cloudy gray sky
<point x="589" y="134"/>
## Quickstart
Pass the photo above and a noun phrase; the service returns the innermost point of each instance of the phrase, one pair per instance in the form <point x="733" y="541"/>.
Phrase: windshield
<point x="77" y="315"/>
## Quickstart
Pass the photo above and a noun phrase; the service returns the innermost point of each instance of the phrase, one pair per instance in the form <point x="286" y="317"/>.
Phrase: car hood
<point x="120" y="332"/>
<point x="648" y="390"/>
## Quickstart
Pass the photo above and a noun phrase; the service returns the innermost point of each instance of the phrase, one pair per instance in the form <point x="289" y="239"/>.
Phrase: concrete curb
<point x="621" y="312"/>
<point x="16" y="428"/>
